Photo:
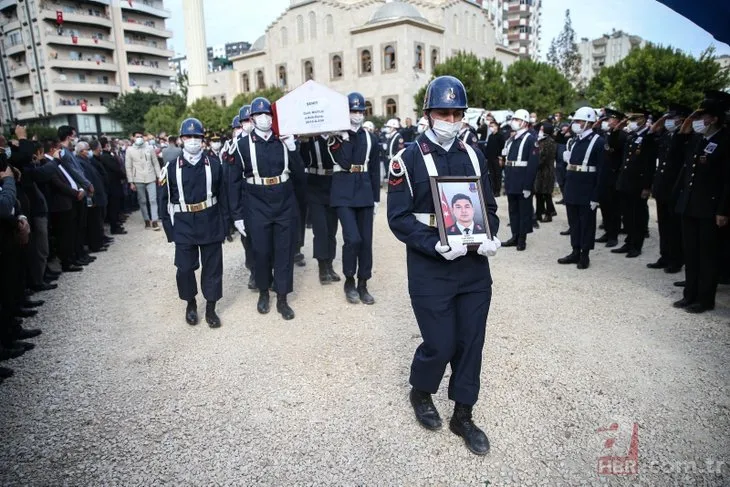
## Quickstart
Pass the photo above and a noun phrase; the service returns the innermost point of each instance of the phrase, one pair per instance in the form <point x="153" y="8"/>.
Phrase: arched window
<point x="484" y="33"/>
<point x="260" y="85"/>
<point x="282" y="77"/>
<point x="456" y="25"/>
<point x="465" y="24"/>
<point x="246" y="83"/>
<point x="389" y="58"/>
<point x="300" y="28"/>
<point x="366" y="62"/>
<point x="419" y="57"/>
<point x="328" y="25"/>
<point x="391" y="107"/>
<point x="312" y="25"/>
<point x="368" y="108"/>
<point x="284" y="37"/>
<point x="434" y="59"/>
<point x="308" y="70"/>
<point x="474" y="26"/>
<point x="336" y="67"/>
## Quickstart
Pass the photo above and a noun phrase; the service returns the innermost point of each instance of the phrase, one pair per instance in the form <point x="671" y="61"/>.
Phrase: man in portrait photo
<point x="462" y="210"/>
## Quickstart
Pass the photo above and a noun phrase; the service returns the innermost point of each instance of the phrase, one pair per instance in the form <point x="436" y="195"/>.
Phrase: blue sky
<point x="591" y="18"/>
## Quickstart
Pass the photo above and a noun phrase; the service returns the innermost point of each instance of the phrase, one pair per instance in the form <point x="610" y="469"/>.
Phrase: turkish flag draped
<point x="448" y="218"/>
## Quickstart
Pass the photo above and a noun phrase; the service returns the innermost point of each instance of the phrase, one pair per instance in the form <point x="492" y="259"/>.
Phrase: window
<point x="282" y="77"/>
<point x="368" y="108"/>
<point x="300" y="28"/>
<point x="312" y="25"/>
<point x="389" y="58"/>
<point x="484" y="33"/>
<point x="246" y="83"/>
<point x="284" y="37"/>
<point x="391" y="107"/>
<point x="366" y="62"/>
<point x="308" y="70"/>
<point x="328" y="25"/>
<point x="465" y="24"/>
<point x="434" y="58"/>
<point x="456" y="25"/>
<point x="419" y="58"/>
<point x="474" y="26"/>
<point x="82" y="78"/>
<point x="336" y="61"/>
<point x="260" y="85"/>
<point x="223" y="100"/>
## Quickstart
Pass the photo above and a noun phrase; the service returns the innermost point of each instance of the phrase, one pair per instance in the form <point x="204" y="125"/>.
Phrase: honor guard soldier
<point x="704" y="200"/>
<point x="581" y="186"/>
<point x="319" y="167"/>
<point x="670" y="149"/>
<point x="215" y="144"/>
<point x="262" y="186"/>
<point x="468" y="135"/>
<point x="235" y="130"/>
<point x="396" y="142"/>
<point x="520" y="168"/>
<point x="613" y="159"/>
<point x="634" y="183"/>
<point x="194" y="208"/>
<point x="450" y="287"/>
<point x="355" y="195"/>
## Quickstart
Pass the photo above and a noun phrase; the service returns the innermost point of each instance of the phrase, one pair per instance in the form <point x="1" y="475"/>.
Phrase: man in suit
<point x="463" y="209"/>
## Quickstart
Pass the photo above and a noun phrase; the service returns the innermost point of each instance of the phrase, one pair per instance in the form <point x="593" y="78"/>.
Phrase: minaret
<point x="197" y="52"/>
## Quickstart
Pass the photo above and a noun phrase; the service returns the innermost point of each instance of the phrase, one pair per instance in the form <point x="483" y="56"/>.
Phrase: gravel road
<point x="120" y="391"/>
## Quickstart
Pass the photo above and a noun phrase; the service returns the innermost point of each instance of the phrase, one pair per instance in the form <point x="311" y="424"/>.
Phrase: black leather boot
<point x="282" y="306"/>
<point x="461" y="424"/>
<point x="522" y="242"/>
<point x="572" y="258"/>
<point x="252" y="282"/>
<point x="299" y="259"/>
<point x="263" y="305"/>
<point x="210" y="315"/>
<point x="333" y="275"/>
<point x="351" y="293"/>
<point x="584" y="260"/>
<point x="426" y="413"/>
<point x="512" y="242"/>
<point x="324" y="273"/>
<point x="191" y="312"/>
<point x="362" y="291"/>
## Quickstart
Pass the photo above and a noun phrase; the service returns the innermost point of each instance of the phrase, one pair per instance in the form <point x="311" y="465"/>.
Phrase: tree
<point x="182" y="81"/>
<point x="210" y="114"/>
<point x="537" y="87"/>
<point x="129" y="109"/>
<point x="563" y="52"/>
<point x="271" y="93"/>
<point x="651" y="77"/>
<point x="166" y="116"/>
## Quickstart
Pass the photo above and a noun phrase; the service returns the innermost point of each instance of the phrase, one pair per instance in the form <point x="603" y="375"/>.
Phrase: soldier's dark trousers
<point x="636" y="219"/>
<point x="453" y="329"/>
<point x="520" y="214"/>
<point x="561" y="167"/>
<point x="495" y="176"/>
<point x="248" y="252"/>
<point x="670" y="234"/>
<point x="274" y="243"/>
<point x="303" y="209"/>
<point x="611" y="213"/>
<point x="701" y="259"/>
<point x="582" y="222"/>
<point x="324" y="227"/>
<point x="187" y="260"/>
<point x="357" y="233"/>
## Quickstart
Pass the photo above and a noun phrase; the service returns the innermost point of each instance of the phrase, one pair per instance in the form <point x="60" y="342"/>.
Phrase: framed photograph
<point x="463" y="213"/>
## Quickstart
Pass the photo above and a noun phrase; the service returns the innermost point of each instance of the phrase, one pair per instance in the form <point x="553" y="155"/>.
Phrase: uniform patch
<point x="710" y="148"/>
<point x="639" y="140"/>
<point x="473" y="187"/>
<point x="396" y="184"/>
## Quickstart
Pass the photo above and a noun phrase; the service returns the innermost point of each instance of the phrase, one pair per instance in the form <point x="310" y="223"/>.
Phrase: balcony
<point x="7" y="3"/>
<point x="145" y="48"/>
<point x="68" y="86"/>
<point x="13" y="49"/>
<point x="150" y="8"/>
<point x="25" y="112"/>
<point x="76" y="110"/>
<point x="11" y="26"/>
<point x="79" y="64"/>
<point x="80" y="41"/>
<point x="163" y="70"/>
<point x="23" y="91"/>
<point x="18" y="71"/>
<point x="146" y="29"/>
<point x="79" y="18"/>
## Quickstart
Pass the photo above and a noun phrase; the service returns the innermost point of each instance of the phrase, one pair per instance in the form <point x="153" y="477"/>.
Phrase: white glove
<point x="594" y="205"/>
<point x="344" y="135"/>
<point x="289" y="141"/>
<point x="566" y="156"/>
<point x="375" y="207"/>
<point x="240" y="227"/>
<point x="488" y="248"/>
<point x="451" y="252"/>
<point x="526" y="193"/>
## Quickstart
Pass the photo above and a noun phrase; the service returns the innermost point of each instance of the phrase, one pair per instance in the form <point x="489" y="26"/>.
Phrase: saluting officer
<point x="319" y="168"/>
<point x="355" y="195"/>
<point x="608" y="194"/>
<point x="194" y="208"/>
<point x="263" y="176"/>
<point x="520" y="168"/>
<point x="581" y="186"/>
<point x="450" y="288"/>
<point x="634" y="183"/>
<point x="704" y="200"/>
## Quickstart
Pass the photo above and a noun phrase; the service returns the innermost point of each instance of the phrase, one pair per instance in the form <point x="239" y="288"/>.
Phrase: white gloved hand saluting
<point x="240" y="227"/>
<point x="289" y="141"/>
<point x="375" y="207"/>
<point x="489" y="248"/>
<point x="566" y="156"/>
<point x="526" y="193"/>
<point x="594" y="205"/>
<point x="451" y="252"/>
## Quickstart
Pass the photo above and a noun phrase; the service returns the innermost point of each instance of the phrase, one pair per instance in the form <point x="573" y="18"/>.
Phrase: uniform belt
<point x="195" y="207"/>
<point x="319" y="172"/>
<point x="516" y="163"/>
<point x="426" y="218"/>
<point x="268" y="181"/>
<point x="353" y="168"/>
<point x="581" y="168"/>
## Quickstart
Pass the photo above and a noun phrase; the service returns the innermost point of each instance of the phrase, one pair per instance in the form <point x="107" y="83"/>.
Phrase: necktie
<point x="467" y="231"/>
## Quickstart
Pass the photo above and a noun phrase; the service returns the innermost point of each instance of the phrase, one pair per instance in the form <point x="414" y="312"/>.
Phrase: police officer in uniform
<point x="214" y="145"/>
<point x="394" y="139"/>
<point x="468" y="135"/>
<point x="608" y="194"/>
<point x="355" y="195"/>
<point x="319" y="167"/>
<point x="193" y="206"/>
<point x="634" y="183"/>
<point x="704" y="200"/>
<point x="262" y="182"/>
<point x="520" y="168"/>
<point x="450" y="287"/>
<point x="581" y="187"/>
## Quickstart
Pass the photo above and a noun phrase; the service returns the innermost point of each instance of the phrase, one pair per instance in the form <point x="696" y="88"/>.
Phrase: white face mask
<point x="445" y="132"/>
<point x="421" y="129"/>
<point x="237" y="132"/>
<point x="138" y="141"/>
<point x="8" y="152"/>
<point x="356" y="119"/>
<point x="247" y="127"/>
<point x="605" y="126"/>
<point x="670" y="124"/>
<point x="576" y="128"/>
<point x="541" y="135"/>
<point x="193" y="146"/>
<point x="216" y="146"/>
<point x="699" y="126"/>
<point x="516" y="125"/>
<point x="633" y="126"/>
<point x="262" y="121"/>
<point x="533" y="120"/>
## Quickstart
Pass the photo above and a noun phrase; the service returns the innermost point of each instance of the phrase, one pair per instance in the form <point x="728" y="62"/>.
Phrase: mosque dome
<point x="259" y="44"/>
<point x="395" y="10"/>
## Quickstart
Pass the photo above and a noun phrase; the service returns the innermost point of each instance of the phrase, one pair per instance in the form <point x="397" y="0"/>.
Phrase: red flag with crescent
<point x="446" y="210"/>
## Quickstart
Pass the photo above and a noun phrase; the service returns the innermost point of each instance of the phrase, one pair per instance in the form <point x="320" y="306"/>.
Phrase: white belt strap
<point x="390" y="148"/>
<point x="590" y="149"/>
<point x="178" y="180"/>
<point x="580" y="168"/>
<point x="474" y="160"/>
<point x="426" y="218"/>
<point x="364" y="166"/>
<point x="431" y="166"/>
<point x="516" y="163"/>
<point x="318" y="154"/>
<point x="256" y="179"/>
<point x="182" y="206"/>
<point x="208" y="180"/>
<point x="200" y="206"/>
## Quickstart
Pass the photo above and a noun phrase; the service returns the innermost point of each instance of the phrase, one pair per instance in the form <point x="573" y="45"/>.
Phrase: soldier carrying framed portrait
<point x="462" y="216"/>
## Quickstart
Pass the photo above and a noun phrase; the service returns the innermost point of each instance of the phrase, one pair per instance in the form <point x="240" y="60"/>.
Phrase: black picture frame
<point x="471" y="186"/>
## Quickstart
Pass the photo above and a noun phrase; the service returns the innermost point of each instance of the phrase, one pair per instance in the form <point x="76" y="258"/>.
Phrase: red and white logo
<point x="620" y="455"/>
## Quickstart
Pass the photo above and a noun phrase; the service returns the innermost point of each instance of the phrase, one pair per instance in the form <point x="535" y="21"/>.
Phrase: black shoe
<point x="547" y="219"/>
<point x="252" y="282"/>
<point x="72" y="268"/>
<point x="697" y="308"/>
<point x="26" y="313"/>
<point x="561" y="202"/>
<point x="353" y="297"/>
<point x="553" y="213"/>
<point x="602" y="239"/>
<point x="462" y="425"/>
<point x="100" y="249"/>
<point x="25" y="345"/>
<point x="299" y="259"/>
<point x="426" y="413"/>
<point x="23" y="334"/>
<point x="50" y="273"/>
<point x="571" y="258"/>
<point x="512" y="242"/>
<point x="633" y="253"/>
<point x="362" y="291"/>
<point x="646" y="234"/>
<point x="680" y="283"/>
<point x="118" y="231"/>
<point x="535" y="224"/>
<point x="6" y="373"/>
<point x="584" y="261"/>
<point x="263" y="305"/>
<point x="210" y="315"/>
<point x="10" y="350"/>
<point x="624" y="249"/>
<point x="333" y="275"/>
<point x="191" y="313"/>
<point x="44" y="287"/>
<point x="522" y="243"/>
<point x="601" y="226"/>
<point x="82" y="263"/>
<point x="682" y="303"/>
<point x="565" y="232"/>
<point x="660" y="264"/>
<point x="29" y="303"/>
<point x="282" y="306"/>
<point x="324" y="273"/>
<point x="673" y="269"/>
<point x="611" y="243"/>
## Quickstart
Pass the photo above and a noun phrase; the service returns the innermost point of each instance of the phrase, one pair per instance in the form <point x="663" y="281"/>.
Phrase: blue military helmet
<point x="236" y="123"/>
<point x="191" y="127"/>
<point x="445" y="92"/>
<point x="260" y="105"/>
<point x="356" y="102"/>
<point x="244" y="114"/>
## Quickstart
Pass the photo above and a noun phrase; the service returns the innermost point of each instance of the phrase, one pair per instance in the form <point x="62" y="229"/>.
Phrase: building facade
<point x="607" y="50"/>
<point x="522" y="26"/>
<point x="64" y="60"/>
<point x="384" y="50"/>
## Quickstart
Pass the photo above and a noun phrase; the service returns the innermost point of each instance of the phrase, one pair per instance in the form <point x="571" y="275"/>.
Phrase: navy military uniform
<point x="396" y="143"/>
<point x="193" y="205"/>
<point x="608" y="194"/>
<point x="520" y="169"/>
<point x="455" y="230"/>
<point x="469" y="136"/>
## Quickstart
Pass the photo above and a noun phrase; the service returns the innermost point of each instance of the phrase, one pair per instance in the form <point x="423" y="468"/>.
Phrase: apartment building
<point x="521" y="25"/>
<point x="607" y="50"/>
<point x="64" y="60"/>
